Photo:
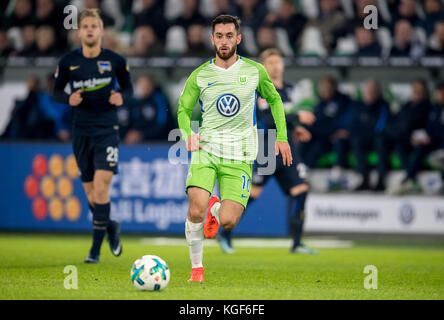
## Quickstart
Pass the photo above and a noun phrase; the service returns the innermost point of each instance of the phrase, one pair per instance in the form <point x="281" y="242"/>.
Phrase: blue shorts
<point x="96" y="153"/>
<point x="287" y="177"/>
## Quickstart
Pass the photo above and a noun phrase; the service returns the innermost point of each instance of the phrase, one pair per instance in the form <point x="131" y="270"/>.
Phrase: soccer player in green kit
<point x="227" y="143"/>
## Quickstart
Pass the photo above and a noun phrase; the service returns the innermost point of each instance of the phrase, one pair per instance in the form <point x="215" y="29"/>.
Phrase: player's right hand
<point x="76" y="98"/>
<point x="193" y="142"/>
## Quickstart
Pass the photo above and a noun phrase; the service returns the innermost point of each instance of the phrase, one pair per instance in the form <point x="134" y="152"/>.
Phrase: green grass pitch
<point x="32" y="267"/>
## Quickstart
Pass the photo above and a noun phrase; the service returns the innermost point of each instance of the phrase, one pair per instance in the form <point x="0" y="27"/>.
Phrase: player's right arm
<point x="61" y="79"/>
<point x="187" y="101"/>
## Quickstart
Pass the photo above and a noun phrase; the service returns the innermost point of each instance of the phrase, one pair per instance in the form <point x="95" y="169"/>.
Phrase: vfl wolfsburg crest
<point x="228" y="105"/>
<point x="243" y="79"/>
<point x="104" y="66"/>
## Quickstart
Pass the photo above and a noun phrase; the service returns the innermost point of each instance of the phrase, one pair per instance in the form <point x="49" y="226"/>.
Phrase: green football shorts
<point x="234" y="177"/>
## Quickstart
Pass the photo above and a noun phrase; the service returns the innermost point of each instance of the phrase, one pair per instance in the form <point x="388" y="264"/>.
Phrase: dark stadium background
<point x="165" y="41"/>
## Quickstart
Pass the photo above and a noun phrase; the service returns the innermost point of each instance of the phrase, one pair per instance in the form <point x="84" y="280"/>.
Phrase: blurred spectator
<point x="108" y="21"/>
<point x="45" y="42"/>
<point x="360" y="15"/>
<point x="6" y="48"/>
<point x="404" y="125"/>
<point x="190" y="15"/>
<point x="368" y="46"/>
<point x="434" y="130"/>
<point x="366" y="124"/>
<point x="424" y="139"/>
<point x="196" y="42"/>
<point x="145" y="43"/>
<point x="29" y="45"/>
<point x="111" y="41"/>
<point x="22" y="15"/>
<point x="59" y="113"/>
<point x="48" y="14"/>
<point x="331" y="22"/>
<point x="328" y="131"/>
<point x="406" y="11"/>
<point x="288" y="19"/>
<point x="27" y="121"/>
<point x="404" y="43"/>
<point x="266" y="38"/>
<point x="436" y="47"/>
<point x="152" y="14"/>
<point x="148" y="117"/>
<point x="434" y="12"/>
<point x="223" y="7"/>
<point x="251" y="12"/>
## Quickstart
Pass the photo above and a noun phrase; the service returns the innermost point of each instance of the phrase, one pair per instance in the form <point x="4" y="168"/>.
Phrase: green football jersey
<point x="228" y="102"/>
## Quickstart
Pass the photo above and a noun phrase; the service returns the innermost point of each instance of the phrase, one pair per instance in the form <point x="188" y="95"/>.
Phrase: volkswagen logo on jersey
<point x="228" y="105"/>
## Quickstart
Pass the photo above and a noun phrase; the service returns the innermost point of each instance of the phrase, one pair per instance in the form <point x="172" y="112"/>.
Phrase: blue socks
<point x="101" y="214"/>
<point x="297" y="216"/>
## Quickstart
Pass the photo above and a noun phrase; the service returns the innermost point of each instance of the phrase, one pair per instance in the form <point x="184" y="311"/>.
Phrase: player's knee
<point x="100" y="194"/>
<point x="299" y="189"/>
<point x="228" y="224"/>
<point x="196" y="213"/>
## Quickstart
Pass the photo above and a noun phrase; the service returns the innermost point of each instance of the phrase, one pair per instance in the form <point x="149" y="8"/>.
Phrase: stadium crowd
<point x="406" y="28"/>
<point x="345" y="124"/>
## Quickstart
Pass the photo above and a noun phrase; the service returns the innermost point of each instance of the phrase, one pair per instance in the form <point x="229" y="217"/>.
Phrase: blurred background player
<point x="226" y="144"/>
<point x="94" y="76"/>
<point x="292" y="179"/>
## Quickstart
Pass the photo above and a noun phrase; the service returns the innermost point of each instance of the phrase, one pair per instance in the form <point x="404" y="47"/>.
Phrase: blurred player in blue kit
<point x="99" y="82"/>
<point x="291" y="179"/>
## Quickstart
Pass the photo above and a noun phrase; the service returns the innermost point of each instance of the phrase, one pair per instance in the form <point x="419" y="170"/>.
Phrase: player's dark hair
<point x="226" y="19"/>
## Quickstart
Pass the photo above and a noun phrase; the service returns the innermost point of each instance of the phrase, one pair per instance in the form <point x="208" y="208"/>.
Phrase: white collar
<point x="223" y="69"/>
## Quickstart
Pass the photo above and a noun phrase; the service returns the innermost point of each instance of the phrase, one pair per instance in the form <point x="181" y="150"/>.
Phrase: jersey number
<point x="113" y="154"/>
<point x="246" y="183"/>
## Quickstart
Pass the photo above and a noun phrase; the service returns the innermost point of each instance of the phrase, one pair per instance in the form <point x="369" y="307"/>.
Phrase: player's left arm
<point x="122" y="95"/>
<point x="269" y="93"/>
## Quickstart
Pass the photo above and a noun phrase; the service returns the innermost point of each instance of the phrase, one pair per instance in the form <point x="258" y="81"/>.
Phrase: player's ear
<point x="239" y="38"/>
<point x="212" y="39"/>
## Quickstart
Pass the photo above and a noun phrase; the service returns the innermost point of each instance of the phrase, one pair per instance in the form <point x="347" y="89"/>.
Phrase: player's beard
<point x="227" y="55"/>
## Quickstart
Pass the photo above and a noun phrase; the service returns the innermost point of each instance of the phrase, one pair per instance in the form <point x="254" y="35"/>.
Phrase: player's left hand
<point x="115" y="98"/>
<point x="284" y="149"/>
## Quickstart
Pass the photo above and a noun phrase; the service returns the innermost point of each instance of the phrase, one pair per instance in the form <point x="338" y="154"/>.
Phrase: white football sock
<point x="215" y="211"/>
<point x="194" y="236"/>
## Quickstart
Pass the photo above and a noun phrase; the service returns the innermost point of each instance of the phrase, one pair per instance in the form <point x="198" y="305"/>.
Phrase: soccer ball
<point x="150" y="273"/>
